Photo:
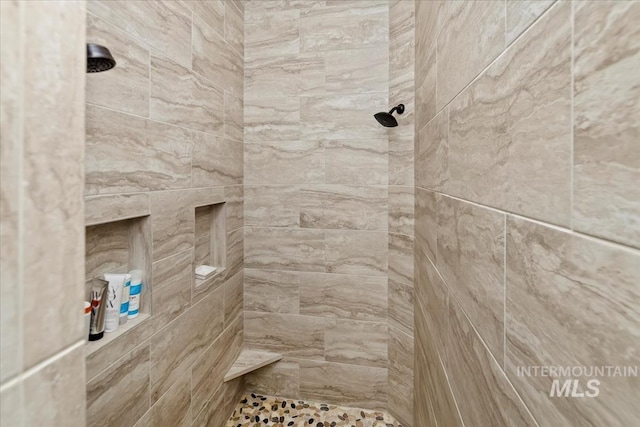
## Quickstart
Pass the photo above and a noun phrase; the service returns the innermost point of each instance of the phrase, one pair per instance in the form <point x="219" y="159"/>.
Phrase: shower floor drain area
<point x="256" y="410"/>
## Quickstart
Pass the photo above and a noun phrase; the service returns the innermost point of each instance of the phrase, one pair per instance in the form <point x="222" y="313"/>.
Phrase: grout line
<point x="572" y="123"/>
<point x="21" y="197"/>
<point x="504" y="302"/>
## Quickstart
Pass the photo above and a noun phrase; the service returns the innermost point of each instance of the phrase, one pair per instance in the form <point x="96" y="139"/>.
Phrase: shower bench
<point x="249" y="360"/>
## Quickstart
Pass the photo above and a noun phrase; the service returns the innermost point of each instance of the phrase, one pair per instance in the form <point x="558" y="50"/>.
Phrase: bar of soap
<point x="204" y="271"/>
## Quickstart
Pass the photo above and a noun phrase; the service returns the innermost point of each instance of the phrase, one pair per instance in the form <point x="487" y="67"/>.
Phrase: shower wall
<point x="317" y="197"/>
<point x="41" y="213"/>
<point x="527" y="209"/>
<point x="165" y="145"/>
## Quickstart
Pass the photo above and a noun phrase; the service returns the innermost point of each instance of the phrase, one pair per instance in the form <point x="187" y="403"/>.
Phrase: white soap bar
<point x="204" y="271"/>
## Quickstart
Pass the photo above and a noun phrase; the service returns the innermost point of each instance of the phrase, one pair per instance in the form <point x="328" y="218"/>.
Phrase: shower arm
<point x="399" y="108"/>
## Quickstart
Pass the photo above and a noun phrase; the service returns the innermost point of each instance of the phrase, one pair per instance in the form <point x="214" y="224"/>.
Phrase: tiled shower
<point x="441" y="272"/>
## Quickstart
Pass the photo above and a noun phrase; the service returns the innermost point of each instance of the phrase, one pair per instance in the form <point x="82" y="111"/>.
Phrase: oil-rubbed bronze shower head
<point x="99" y="58"/>
<point x="387" y="119"/>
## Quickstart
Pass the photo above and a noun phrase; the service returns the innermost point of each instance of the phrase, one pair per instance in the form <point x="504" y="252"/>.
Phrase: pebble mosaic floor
<point x="256" y="410"/>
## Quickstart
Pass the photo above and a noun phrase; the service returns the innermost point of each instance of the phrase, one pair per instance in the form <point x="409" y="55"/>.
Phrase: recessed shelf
<point x="249" y="360"/>
<point x="210" y="240"/>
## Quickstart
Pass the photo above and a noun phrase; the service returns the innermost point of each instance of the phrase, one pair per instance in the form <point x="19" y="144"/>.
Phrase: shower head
<point x="386" y="119"/>
<point x="99" y="58"/>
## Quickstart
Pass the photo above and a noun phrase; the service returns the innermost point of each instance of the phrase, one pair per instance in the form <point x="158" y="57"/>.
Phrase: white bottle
<point x="135" y="293"/>
<point x="114" y="298"/>
<point x="124" y="304"/>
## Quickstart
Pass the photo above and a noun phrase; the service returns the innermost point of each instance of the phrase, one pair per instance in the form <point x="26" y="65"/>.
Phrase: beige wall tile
<point x="357" y="70"/>
<point x="289" y="334"/>
<point x="432" y="153"/>
<point x="271" y="291"/>
<point x="521" y="14"/>
<point x="209" y="52"/>
<point x="401" y="206"/>
<point x="426" y="222"/>
<point x="471" y="252"/>
<point x="125" y="153"/>
<point x="106" y="249"/>
<point x="352" y="385"/>
<point x="284" y="75"/>
<point x="356" y="342"/>
<point x="401" y="356"/>
<point x="278" y="379"/>
<point x="174" y="408"/>
<point x="606" y="202"/>
<point x="293" y="163"/>
<point x="163" y="25"/>
<point x="401" y="307"/>
<point x="173" y="225"/>
<point x="477" y="380"/>
<point x="126" y="87"/>
<point x="343" y="207"/>
<point x="431" y="291"/>
<point x="285" y="249"/>
<point x="426" y="33"/>
<point x="497" y="146"/>
<point x="234" y="204"/>
<point x="344" y="25"/>
<point x="401" y="160"/>
<point x="272" y="33"/>
<point x="172" y="282"/>
<point x="357" y="162"/>
<point x="586" y="314"/>
<point x="11" y="396"/>
<point x="272" y="119"/>
<point x="475" y="31"/>
<point x="343" y="296"/>
<point x="233" y="117"/>
<point x="109" y="395"/>
<point x="233" y="298"/>
<point x="234" y="26"/>
<point x="356" y="252"/>
<point x="210" y="11"/>
<point x="112" y="208"/>
<point x="272" y="205"/>
<point x="181" y="97"/>
<point x="216" y="160"/>
<point x="401" y="249"/>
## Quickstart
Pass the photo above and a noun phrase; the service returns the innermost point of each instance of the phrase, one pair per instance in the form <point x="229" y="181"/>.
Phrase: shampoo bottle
<point x="114" y="298"/>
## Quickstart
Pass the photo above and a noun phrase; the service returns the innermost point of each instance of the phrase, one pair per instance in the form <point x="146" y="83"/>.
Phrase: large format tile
<point x="521" y="14"/>
<point x="163" y="25"/>
<point x="401" y="160"/>
<point x="500" y="140"/>
<point x="211" y="11"/>
<point x="426" y="233"/>
<point x="401" y="249"/>
<point x="181" y="97"/>
<point x="284" y="75"/>
<point x="272" y="33"/>
<point x="211" y="58"/>
<point x="343" y="207"/>
<point x="401" y="207"/>
<point x="473" y="34"/>
<point x="216" y="160"/>
<point x="356" y="252"/>
<point x="432" y="293"/>
<point x="233" y="117"/>
<point x="271" y="291"/>
<point x="606" y="201"/>
<point x="471" y="251"/>
<point x="126" y="86"/>
<point x="285" y="249"/>
<point x="172" y="282"/>
<point x="272" y="118"/>
<point x="356" y="342"/>
<point x="401" y="300"/>
<point x="572" y="301"/>
<point x="426" y="33"/>
<point x="174" y="408"/>
<point x="173" y="222"/>
<point x="234" y="25"/>
<point x="357" y="70"/>
<point x="360" y="386"/>
<point x="432" y="153"/>
<point x="343" y="296"/>
<point x="356" y="162"/>
<point x="284" y="162"/>
<point x="401" y="354"/>
<point x="479" y="384"/>
<point x="272" y="205"/>
<point x="289" y="334"/>
<point x="279" y="379"/>
<point x="125" y="153"/>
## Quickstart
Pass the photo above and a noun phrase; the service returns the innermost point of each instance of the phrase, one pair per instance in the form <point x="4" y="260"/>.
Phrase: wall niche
<point x="210" y="240"/>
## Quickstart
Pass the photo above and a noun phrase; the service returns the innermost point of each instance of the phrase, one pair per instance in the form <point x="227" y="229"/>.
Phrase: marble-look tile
<point x="209" y="53"/>
<point x="356" y="252"/>
<point x="401" y="206"/>
<point x="234" y="26"/>
<point x="109" y="395"/>
<point x="106" y="249"/>
<point x="485" y="394"/>
<point x="52" y="214"/>
<point x="10" y="176"/>
<point x="235" y="252"/>
<point x="213" y="412"/>
<point x="210" y="11"/>
<point x="233" y="117"/>
<point x="606" y="201"/>
<point x="271" y="119"/>
<point x="357" y="71"/>
<point x="343" y="296"/>
<point x="475" y="31"/>
<point x="11" y="395"/>
<point x="181" y="97"/>
<point x="344" y="25"/>
<point x="401" y="19"/>
<point x="521" y="14"/>
<point x="234" y="203"/>
<point x="586" y="314"/>
<point x="401" y="307"/>
<point x="344" y="207"/>
<point x="289" y="334"/>
<point x="172" y="221"/>
<point x="163" y="25"/>
<point x="401" y="160"/>
<point x="271" y="33"/>
<point x="471" y="252"/>
<point x="426" y="33"/>
<point x="356" y="342"/>
<point x="280" y="379"/>
<point x="271" y="291"/>
<point x="272" y="205"/>
<point x="233" y="72"/>
<point x="284" y="75"/>
<point x="361" y="386"/>
<point x="126" y="87"/>
<point x="216" y="160"/>
<point x="176" y="347"/>
<point x="285" y="249"/>
<point x="427" y="234"/>
<point x="500" y="140"/>
<point x="233" y="298"/>
<point x="172" y="282"/>
<point x="125" y="153"/>
<point x="401" y="356"/>
<point x="117" y="207"/>
<point x="431" y="291"/>
<point x="357" y="162"/>
<point x="432" y="153"/>
<point x="346" y="116"/>
<point x="174" y="408"/>
<point x="401" y="248"/>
